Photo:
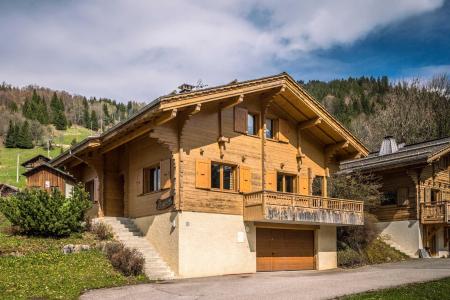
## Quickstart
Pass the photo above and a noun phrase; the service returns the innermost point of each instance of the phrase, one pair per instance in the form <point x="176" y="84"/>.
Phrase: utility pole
<point x="48" y="148"/>
<point x="17" y="167"/>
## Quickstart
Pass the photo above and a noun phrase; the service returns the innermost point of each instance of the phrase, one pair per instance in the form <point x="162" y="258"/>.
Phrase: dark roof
<point x="5" y="185"/>
<point x="35" y="158"/>
<point x="49" y="167"/>
<point x="419" y="153"/>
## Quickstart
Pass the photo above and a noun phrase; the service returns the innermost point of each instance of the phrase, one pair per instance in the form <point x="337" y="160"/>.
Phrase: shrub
<point x="350" y="258"/>
<point x="127" y="261"/>
<point x="358" y="237"/>
<point x="102" y="231"/>
<point x="37" y="212"/>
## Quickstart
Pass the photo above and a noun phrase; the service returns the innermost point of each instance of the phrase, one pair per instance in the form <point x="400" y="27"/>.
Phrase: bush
<point x="102" y="231"/>
<point x="127" y="261"/>
<point x="37" y="212"/>
<point x="358" y="237"/>
<point x="350" y="258"/>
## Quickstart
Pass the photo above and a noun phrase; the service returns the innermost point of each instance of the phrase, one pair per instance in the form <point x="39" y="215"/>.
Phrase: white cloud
<point x="141" y="49"/>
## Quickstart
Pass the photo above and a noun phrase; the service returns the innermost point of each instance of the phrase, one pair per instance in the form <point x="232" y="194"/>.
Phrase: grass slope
<point x="34" y="267"/>
<point x="8" y="156"/>
<point x="433" y="290"/>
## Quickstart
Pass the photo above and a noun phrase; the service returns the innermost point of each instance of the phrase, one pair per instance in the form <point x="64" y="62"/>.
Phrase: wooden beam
<point x="309" y="123"/>
<point x="192" y="110"/>
<point x="331" y="149"/>
<point x="165" y="117"/>
<point x="232" y="102"/>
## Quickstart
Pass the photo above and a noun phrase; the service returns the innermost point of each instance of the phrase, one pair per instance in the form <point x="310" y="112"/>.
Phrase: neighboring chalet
<point x="220" y="180"/>
<point x="47" y="177"/>
<point x="415" y="210"/>
<point x="35" y="161"/>
<point x="7" y="190"/>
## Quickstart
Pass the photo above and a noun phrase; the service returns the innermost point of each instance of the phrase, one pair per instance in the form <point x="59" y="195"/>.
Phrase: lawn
<point x="433" y="290"/>
<point x="8" y="156"/>
<point x="35" y="267"/>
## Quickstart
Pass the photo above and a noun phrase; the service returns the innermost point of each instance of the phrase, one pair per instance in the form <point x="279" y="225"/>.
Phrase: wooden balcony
<point x="435" y="213"/>
<point x="267" y="206"/>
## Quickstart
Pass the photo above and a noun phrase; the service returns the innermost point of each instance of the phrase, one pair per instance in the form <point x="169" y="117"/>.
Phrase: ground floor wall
<point x="208" y="244"/>
<point x="405" y="235"/>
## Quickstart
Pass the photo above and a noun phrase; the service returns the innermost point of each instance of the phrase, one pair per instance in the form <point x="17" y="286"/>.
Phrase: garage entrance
<point x="284" y="249"/>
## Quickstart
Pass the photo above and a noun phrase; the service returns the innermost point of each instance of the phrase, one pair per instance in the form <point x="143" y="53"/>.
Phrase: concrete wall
<point x="326" y="256"/>
<point x="441" y="247"/>
<point x="406" y="234"/>
<point x="161" y="233"/>
<point x="213" y="244"/>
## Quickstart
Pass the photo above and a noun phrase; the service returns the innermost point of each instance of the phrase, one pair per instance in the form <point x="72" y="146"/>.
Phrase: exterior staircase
<point x="400" y="248"/>
<point x="126" y="231"/>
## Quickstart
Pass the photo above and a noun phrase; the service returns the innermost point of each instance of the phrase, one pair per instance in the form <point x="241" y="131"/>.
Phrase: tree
<point x="106" y="116"/>
<point x="24" y="139"/>
<point x="94" y="120"/>
<point x="10" y="140"/>
<point x="58" y="115"/>
<point x="86" y="116"/>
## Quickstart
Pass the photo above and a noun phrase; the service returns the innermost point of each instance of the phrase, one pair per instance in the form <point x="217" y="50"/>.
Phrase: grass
<point x="433" y="290"/>
<point x="35" y="267"/>
<point x="8" y="156"/>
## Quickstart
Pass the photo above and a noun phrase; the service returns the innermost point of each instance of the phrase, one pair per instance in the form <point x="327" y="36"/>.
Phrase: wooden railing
<point x="294" y="207"/>
<point x="435" y="212"/>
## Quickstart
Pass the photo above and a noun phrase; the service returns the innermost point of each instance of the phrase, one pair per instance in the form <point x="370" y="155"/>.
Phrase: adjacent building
<point x="225" y="180"/>
<point x="415" y="210"/>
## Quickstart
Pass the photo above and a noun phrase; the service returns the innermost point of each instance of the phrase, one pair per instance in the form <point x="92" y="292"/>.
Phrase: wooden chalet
<point x="47" y="177"/>
<point x="229" y="179"/>
<point x="35" y="161"/>
<point x="7" y="190"/>
<point x="415" y="210"/>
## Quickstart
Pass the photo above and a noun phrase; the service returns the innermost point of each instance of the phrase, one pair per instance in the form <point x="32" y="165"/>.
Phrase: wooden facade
<point x="199" y="147"/>
<point x="46" y="177"/>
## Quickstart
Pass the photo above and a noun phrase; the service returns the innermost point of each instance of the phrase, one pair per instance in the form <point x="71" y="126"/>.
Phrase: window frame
<point x="274" y="133"/>
<point x="146" y="185"/>
<point x="256" y="126"/>
<point x="221" y="177"/>
<point x="87" y="184"/>
<point x="294" y="182"/>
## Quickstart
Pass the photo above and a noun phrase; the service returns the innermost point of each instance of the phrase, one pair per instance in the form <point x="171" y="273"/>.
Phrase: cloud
<point x="142" y="49"/>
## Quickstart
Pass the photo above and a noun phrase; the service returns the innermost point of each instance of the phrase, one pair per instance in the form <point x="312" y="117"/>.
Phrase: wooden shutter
<point x="139" y="182"/>
<point x="283" y="130"/>
<point x="240" y="119"/>
<point x="203" y="174"/>
<point x="271" y="180"/>
<point x="165" y="173"/>
<point x="245" y="179"/>
<point x="402" y="196"/>
<point x="427" y="194"/>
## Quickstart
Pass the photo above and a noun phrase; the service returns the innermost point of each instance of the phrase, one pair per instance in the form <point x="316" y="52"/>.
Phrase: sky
<point x="141" y="49"/>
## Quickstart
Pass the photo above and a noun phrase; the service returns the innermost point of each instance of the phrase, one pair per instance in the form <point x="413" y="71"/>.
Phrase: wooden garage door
<point x="282" y="249"/>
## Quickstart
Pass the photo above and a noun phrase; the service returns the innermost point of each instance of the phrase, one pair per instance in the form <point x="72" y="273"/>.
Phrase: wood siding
<point x="54" y="180"/>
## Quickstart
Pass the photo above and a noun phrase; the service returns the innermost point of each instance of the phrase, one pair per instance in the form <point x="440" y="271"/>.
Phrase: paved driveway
<point x="285" y="285"/>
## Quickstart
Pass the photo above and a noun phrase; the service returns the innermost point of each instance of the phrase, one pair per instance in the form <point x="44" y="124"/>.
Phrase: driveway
<point x="285" y="285"/>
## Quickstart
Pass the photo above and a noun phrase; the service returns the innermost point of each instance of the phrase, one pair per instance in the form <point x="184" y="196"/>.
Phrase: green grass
<point x="8" y="156"/>
<point x="34" y="267"/>
<point x="433" y="290"/>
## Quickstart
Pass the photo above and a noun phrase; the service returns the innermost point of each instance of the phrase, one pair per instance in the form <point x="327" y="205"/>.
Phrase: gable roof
<point x="413" y="154"/>
<point x="294" y="100"/>
<point x="47" y="166"/>
<point x="35" y="158"/>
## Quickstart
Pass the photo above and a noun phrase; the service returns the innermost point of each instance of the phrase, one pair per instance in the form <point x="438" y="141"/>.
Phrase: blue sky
<point x="142" y="49"/>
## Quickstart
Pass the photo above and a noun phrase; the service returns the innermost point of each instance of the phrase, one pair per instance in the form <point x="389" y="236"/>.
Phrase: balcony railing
<point x="268" y="206"/>
<point x="435" y="213"/>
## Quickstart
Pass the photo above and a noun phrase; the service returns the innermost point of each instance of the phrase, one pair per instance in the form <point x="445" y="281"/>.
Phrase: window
<point x="252" y="126"/>
<point x="89" y="187"/>
<point x="285" y="183"/>
<point x="269" y="128"/>
<point x="434" y="196"/>
<point x="389" y="198"/>
<point x="223" y="177"/>
<point x="152" y="179"/>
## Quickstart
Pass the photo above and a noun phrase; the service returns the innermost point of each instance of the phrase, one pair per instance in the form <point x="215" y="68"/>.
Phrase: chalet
<point x="219" y="180"/>
<point x="7" y="190"/>
<point x="35" y="161"/>
<point x="415" y="210"/>
<point x="47" y="177"/>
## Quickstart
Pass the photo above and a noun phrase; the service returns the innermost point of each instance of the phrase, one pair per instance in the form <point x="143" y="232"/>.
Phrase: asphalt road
<point x="285" y="285"/>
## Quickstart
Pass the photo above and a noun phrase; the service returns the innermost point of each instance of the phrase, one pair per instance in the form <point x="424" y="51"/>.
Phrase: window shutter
<point x="165" y="173"/>
<point x="240" y="119"/>
<point x="271" y="180"/>
<point x="245" y="179"/>
<point x="139" y="182"/>
<point x="203" y="174"/>
<point x="283" y="130"/>
<point x="427" y="193"/>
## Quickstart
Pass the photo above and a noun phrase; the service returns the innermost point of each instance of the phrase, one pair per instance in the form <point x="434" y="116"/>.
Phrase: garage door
<point x="282" y="249"/>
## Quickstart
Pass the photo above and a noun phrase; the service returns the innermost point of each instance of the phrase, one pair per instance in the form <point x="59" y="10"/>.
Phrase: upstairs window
<point x="152" y="179"/>
<point x="252" y="126"/>
<point x="285" y="183"/>
<point x="270" y="128"/>
<point x="223" y="177"/>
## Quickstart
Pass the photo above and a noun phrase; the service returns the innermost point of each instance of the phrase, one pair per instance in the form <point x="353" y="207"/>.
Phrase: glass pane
<point x="228" y="178"/>
<point x="269" y="128"/>
<point x="279" y="182"/>
<point x="157" y="179"/>
<point x="251" y="124"/>
<point x="152" y="180"/>
<point x="289" y="182"/>
<point x="215" y="176"/>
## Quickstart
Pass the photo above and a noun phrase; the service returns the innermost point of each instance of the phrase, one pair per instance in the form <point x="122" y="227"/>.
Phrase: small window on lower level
<point x="89" y="187"/>
<point x="389" y="198"/>
<point x="152" y="179"/>
<point x="286" y="183"/>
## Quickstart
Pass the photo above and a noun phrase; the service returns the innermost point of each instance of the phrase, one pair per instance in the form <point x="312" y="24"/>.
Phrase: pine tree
<point x="24" y="139"/>
<point x="58" y="116"/>
<point x="10" y="141"/>
<point x="94" y="121"/>
<point x="106" y="116"/>
<point x="86" y="116"/>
